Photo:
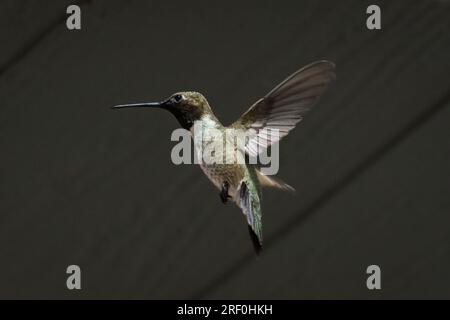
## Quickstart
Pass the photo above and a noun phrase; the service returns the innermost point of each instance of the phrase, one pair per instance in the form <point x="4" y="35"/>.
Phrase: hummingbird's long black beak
<point x="142" y="105"/>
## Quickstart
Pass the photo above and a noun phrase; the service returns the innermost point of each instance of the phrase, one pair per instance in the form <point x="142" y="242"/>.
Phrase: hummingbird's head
<point x="187" y="107"/>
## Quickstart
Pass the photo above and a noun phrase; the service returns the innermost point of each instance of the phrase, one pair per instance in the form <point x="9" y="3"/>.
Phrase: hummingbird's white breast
<point x="209" y="137"/>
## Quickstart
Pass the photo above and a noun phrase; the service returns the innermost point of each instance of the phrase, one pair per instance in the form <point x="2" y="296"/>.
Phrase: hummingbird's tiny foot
<point x="224" y="192"/>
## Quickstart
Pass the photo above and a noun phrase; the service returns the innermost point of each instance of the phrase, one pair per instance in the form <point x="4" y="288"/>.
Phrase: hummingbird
<point x="280" y="110"/>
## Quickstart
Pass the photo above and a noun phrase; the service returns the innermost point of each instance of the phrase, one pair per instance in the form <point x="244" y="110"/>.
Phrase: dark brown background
<point x="81" y="184"/>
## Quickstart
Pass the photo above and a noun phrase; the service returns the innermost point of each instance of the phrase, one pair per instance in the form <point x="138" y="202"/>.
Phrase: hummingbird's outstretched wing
<point x="283" y="107"/>
<point x="248" y="201"/>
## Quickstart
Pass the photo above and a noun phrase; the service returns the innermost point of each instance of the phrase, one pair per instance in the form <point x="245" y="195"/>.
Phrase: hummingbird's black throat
<point x="185" y="115"/>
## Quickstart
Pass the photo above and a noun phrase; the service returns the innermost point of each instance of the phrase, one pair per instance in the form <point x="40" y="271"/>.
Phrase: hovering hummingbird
<point x="279" y="110"/>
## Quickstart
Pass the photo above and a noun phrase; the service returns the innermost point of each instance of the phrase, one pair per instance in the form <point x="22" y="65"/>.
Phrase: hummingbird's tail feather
<point x="248" y="201"/>
<point x="255" y="241"/>
<point x="273" y="182"/>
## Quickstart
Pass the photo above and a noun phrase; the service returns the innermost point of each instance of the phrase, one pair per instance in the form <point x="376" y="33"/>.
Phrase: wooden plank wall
<point x="84" y="185"/>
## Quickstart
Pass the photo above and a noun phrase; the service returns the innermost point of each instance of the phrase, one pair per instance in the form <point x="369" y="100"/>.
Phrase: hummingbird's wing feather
<point x="248" y="201"/>
<point x="273" y="116"/>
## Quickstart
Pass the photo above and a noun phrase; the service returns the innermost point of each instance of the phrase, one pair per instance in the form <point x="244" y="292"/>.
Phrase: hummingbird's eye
<point x="178" y="97"/>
